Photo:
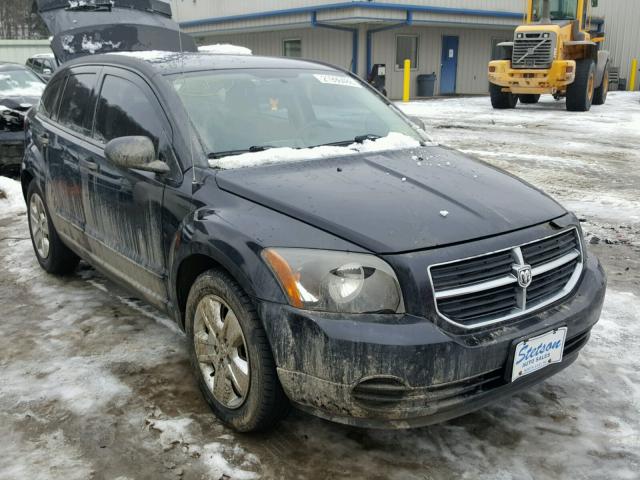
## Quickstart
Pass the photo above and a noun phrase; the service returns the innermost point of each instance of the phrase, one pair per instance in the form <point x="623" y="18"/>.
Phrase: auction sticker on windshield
<point x="337" y="80"/>
<point x="535" y="353"/>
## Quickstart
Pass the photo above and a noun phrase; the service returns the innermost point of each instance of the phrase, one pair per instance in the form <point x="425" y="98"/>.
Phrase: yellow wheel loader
<point x="557" y="52"/>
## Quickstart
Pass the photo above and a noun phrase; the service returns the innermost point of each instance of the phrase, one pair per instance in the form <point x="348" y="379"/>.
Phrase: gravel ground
<point x="95" y="385"/>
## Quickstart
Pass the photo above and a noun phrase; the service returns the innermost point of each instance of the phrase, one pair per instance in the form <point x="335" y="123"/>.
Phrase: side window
<point x="407" y="48"/>
<point x="125" y="109"/>
<point x="50" y="98"/>
<point x="76" y="106"/>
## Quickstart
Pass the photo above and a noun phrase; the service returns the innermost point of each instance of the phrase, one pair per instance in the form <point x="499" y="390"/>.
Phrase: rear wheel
<point x="580" y="93"/>
<point x="231" y="356"/>
<point x="502" y="100"/>
<point x="600" y="95"/>
<point x="529" y="98"/>
<point x="53" y="255"/>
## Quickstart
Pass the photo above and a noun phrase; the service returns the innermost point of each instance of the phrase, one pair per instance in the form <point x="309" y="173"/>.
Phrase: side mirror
<point x="418" y="121"/>
<point x="136" y="153"/>
<point x="47" y="71"/>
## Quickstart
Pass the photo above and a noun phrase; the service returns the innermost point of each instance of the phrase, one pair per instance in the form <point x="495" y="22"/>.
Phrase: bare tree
<point x="18" y="21"/>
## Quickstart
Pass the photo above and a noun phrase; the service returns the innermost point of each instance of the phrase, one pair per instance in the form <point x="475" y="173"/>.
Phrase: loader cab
<point x="561" y="11"/>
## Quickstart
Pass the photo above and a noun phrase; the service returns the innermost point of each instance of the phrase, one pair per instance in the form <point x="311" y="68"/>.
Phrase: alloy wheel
<point x="39" y="225"/>
<point x="221" y="351"/>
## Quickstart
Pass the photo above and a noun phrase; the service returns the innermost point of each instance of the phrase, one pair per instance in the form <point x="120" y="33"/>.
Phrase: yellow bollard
<point x="632" y="77"/>
<point x="407" y="81"/>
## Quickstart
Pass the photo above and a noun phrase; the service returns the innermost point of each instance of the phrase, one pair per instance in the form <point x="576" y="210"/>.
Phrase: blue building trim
<point x="354" y="34"/>
<point x="372" y="31"/>
<point x="352" y="4"/>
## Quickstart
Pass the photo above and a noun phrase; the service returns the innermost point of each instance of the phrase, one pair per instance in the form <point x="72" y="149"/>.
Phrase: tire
<point x="580" y="93"/>
<point x="56" y="258"/>
<point x="600" y="94"/>
<point x="502" y="100"/>
<point x="254" y="401"/>
<point x="529" y="98"/>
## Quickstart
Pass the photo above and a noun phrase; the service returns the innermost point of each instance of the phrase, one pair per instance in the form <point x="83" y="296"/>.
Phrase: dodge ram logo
<point x="523" y="274"/>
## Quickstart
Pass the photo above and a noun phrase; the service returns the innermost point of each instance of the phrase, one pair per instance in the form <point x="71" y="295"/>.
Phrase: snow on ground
<point x="94" y="384"/>
<point x="587" y="161"/>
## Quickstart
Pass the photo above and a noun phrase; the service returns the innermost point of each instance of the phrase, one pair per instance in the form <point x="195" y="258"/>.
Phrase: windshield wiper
<point x="346" y="143"/>
<point x="229" y="153"/>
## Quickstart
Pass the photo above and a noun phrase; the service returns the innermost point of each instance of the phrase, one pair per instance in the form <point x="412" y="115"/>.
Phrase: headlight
<point x="338" y="282"/>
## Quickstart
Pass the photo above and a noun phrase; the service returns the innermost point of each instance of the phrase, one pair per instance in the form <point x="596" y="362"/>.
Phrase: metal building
<point x="452" y="38"/>
<point x="622" y="24"/>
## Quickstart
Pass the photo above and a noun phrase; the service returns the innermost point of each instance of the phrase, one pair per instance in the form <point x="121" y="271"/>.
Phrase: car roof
<point x="169" y="63"/>
<point x="8" y="67"/>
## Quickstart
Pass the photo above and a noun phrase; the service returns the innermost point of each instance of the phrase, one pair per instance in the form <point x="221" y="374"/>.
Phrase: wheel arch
<point x="209" y="245"/>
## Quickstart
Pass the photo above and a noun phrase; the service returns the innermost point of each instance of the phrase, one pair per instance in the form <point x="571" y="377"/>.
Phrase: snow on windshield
<point x="393" y="141"/>
<point x="20" y="84"/>
<point x="225" y="49"/>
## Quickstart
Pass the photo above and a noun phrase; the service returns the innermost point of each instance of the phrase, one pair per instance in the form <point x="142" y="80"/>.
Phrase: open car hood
<point x="86" y="27"/>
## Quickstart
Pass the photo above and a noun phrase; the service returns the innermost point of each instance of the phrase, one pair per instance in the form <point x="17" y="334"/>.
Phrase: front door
<point x="449" y="65"/>
<point x="124" y="206"/>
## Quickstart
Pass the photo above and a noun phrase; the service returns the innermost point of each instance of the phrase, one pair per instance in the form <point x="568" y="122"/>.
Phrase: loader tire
<point x="600" y="95"/>
<point x="502" y="100"/>
<point x="529" y="98"/>
<point x="580" y="93"/>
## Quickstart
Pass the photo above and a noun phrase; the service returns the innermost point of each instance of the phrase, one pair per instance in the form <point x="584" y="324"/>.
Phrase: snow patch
<point x="11" y="200"/>
<point x="225" y="49"/>
<point x="393" y="141"/>
<point x="214" y="455"/>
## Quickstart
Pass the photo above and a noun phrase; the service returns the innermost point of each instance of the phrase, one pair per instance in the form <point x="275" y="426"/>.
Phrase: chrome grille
<point x="533" y="50"/>
<point x="483" y="290"/>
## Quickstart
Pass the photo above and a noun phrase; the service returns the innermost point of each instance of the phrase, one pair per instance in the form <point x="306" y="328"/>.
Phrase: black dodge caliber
<point x="315" y="247"/>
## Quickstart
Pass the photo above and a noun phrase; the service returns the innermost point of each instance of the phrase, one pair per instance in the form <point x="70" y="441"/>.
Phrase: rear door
<point x="124" y="206"/>
<point x="68" y="150"/>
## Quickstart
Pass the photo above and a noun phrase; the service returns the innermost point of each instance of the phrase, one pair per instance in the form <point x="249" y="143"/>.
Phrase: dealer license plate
<point x="535" y="353"/>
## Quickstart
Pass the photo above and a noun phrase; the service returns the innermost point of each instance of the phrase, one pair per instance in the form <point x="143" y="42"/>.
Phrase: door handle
<point x="90" y="165"/>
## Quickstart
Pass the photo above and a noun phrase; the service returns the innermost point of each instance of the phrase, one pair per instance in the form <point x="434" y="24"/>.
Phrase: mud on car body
<point x="315" y="247"/>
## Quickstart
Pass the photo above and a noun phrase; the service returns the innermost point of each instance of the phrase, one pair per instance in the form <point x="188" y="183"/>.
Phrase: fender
<point x="603" y="61"/>
<point x="204" y="232"/>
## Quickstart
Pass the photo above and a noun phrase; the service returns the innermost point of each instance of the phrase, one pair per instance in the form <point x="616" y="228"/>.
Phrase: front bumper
<point x="532" y="81"/>
<point x="11" y="151"/>
<point x="401" y="371"/>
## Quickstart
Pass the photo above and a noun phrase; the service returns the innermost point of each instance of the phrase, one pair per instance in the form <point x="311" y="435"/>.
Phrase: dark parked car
<point x="314" y="247"/>
<point x="19" y="91"/>
<point x="43" y="65"/>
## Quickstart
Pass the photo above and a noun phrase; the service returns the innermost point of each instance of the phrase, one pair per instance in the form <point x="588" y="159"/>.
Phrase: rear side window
<point x="50" y="98"/>
<point x="76" y="107"/>
<point x="125" y="109"/>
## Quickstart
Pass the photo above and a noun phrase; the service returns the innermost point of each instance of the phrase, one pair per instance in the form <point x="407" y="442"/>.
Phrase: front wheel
<point x="580" y="93"/>
<point x="502" y="100"/>
<point x="53" y="255"/>
<point x="231" y="356"/>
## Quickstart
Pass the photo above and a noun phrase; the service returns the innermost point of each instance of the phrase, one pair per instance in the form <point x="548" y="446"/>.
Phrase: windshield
<point x="559" y="9"/>
<point x="238" y="111"/>
<point x="17" y="83"/>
